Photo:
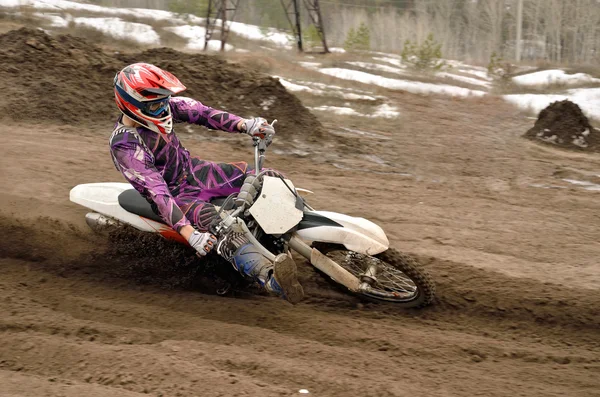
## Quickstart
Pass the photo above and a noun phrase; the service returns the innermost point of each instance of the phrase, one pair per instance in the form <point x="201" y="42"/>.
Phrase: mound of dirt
<point x="563" y="123"/>
<point x="67" y="79"/>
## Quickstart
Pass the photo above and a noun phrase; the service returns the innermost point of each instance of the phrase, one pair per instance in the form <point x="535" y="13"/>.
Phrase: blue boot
<point x="247" y="260"/>
<point x="279" y="278"/>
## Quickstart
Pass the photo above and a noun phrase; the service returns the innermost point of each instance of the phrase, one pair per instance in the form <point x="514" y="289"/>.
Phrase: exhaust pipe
<point x="98" y="222"/>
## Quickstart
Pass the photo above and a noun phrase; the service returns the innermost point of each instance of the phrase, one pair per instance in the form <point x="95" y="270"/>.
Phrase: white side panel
<point x="275" y="209"/>
<point x="357" y="234"/>
<point x="104" y="199"/>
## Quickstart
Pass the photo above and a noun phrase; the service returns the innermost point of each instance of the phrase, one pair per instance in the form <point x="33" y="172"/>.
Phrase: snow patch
<point x="60" y="5"/>
<point x="482" y="74"/>
<point x="337" y="110"/>
<point x="249" y="32"/>
<point x="55" y="20"/>
<point x="355" y="97"/>
<point x="326" y="91"/>
<point x="349" y="93"/>
<point x="213" y="45"/>
<point x="384" y="111"/>
<point x="252" y="32"/>
<point x="543" y="186"/>
<point x="554" y="76"/>
<point x="338" y="50"/>
<point x="393" y="61"/>
<point x="310" y="65"/>
<point x="295" y="87"/>
<point x="196" y="36"/>
<point x="464" y="79"/>
<point x="458" y="64"/>
<point x="120" y="29"/>
<point x="10" y="3"/>
<point x="378" y="67"/>
<point x="404" y="85"/>
<point x="584" y="184"/>
<point x="588" y="100"/>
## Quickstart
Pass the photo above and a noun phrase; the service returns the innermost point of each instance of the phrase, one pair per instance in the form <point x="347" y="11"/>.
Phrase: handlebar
<point x="260" y="147"/>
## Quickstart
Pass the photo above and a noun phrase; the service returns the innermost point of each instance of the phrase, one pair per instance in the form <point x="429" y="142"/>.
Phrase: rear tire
<point x="401" y="279"/>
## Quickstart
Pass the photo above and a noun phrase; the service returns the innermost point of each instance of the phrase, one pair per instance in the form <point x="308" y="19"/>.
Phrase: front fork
<point x="327" y="266"/>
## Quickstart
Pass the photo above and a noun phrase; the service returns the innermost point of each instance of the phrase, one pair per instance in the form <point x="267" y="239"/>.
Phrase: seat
<point x="131" y="200"/>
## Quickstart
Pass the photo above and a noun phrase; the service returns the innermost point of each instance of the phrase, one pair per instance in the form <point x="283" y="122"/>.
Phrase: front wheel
<point x="389" y="276"/>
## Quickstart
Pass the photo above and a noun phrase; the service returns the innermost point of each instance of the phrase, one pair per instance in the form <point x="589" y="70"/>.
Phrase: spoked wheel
<point x="389" y="276"/>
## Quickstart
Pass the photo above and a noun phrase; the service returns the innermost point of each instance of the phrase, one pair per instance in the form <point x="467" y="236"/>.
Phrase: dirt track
<point x="515" y="263"/>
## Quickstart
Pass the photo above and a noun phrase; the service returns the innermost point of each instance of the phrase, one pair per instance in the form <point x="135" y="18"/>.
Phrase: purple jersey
<point x="161" y="169"/>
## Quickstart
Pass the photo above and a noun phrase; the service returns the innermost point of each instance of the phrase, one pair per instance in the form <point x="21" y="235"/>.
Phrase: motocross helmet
<point x="142" y="93"/>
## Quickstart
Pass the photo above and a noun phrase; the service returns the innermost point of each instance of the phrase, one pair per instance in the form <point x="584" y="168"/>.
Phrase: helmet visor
<point x="156" y="108"/>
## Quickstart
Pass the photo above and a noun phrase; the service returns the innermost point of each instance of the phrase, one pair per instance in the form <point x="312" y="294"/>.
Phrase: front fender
<point x="356" y="234"/>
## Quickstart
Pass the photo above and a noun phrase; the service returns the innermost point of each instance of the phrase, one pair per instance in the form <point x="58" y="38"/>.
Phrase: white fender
<point x="357" y="234"/>
<point x="103" y="198"/>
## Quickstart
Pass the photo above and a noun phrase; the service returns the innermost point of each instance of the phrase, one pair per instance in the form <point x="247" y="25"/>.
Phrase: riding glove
<point x="203" y="243"/>
<point x="259" y="127"/>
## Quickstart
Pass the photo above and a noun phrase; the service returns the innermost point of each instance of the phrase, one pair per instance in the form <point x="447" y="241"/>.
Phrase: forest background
<point x="555" y="31"/>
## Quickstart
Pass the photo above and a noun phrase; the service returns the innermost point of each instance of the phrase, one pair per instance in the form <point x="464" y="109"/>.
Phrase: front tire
<point x="398" y="279"/>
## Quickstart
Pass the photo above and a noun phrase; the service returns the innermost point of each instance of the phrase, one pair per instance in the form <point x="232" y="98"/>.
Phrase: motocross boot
<point x="279" y="278"/>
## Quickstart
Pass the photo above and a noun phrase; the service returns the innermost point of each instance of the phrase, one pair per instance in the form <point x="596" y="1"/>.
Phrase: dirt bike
<point x="353" y="252"/>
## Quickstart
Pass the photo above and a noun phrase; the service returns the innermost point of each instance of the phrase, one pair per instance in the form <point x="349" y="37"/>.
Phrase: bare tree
<point x="554" y="30"/>
<point x="492" y="18"/>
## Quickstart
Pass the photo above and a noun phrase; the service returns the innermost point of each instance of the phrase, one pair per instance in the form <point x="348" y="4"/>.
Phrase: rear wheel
<point x="389" y="276"/>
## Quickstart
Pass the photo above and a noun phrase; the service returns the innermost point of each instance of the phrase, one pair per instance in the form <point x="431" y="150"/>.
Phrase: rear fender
<point x="103" y="198"/>
<point x="356" y="234"/>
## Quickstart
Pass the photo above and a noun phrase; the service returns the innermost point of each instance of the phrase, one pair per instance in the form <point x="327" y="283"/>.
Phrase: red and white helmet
<point x="142" y="92"/>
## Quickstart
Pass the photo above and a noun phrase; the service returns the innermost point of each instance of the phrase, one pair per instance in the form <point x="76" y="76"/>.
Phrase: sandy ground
<point x="515" y="264"/>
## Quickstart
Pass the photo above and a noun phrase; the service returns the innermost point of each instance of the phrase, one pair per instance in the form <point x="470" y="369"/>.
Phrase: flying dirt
<point x="517" y="308"/>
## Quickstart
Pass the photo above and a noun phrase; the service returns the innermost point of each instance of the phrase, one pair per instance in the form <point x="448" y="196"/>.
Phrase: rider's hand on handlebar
<point x="203" y="243"/>
<point x="259" y="128"/>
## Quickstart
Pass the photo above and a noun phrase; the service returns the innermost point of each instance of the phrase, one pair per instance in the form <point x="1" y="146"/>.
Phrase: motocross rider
<point x="148" y="153"/>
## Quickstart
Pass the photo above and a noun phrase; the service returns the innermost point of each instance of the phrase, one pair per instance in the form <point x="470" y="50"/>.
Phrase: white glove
<point x="203" y="243"/>
<point x="259" y="127"/>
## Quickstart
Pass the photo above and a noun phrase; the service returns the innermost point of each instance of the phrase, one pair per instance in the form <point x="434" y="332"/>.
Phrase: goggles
<point x="155" y="108"/>
<point x="150" y="108"/>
